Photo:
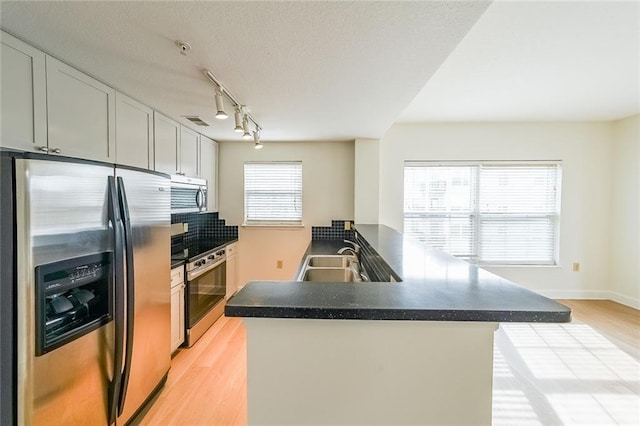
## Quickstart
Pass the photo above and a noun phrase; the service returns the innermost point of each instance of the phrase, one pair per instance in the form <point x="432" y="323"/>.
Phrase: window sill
<point x="516" y="266"/>
<point x="272" y="225"/>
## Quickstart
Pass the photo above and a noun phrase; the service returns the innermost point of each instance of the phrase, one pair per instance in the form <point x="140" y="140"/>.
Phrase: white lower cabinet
<point x="177" y="307"/>
<point x="232" y="269"/>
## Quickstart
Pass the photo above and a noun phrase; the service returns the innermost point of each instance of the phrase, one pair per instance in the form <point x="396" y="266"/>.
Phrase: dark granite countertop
<point x="435" y="287"/>
<point x="176" y="263"/>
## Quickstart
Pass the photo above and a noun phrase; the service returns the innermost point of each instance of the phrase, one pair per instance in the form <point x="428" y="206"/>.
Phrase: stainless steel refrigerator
<point x="87" y="288"/>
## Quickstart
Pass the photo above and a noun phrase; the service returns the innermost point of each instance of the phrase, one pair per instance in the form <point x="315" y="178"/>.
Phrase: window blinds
<point x="518" y="211"/>
<point x="497" y="213"/>
<point x="439" y="207"/>
<point x="273" y="193"/>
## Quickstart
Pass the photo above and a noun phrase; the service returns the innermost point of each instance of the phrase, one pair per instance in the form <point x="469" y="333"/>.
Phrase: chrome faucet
<point x="343" y="250"/>
<point x="355" y="249"/>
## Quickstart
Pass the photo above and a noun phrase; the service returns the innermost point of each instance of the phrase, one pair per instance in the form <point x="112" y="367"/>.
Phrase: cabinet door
<point x="134" y="133"/>
<point x="166" y="135"/>
<point x="232" y="269"/>
<point x="209" y="170"/>
<point x="189" y="142"/>
<point x="23" y="88"/>
<point x="80" y="114"/>
<point x="177" y="316"/>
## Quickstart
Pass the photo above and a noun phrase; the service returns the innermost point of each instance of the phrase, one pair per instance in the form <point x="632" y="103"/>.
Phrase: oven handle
<point x="196" y="274"/>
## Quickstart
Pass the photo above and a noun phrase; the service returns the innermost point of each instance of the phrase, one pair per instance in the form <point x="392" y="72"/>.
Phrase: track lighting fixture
<point x="238" y="118"/>
<point x="245" y="125"/>
<point x="241" y="113"/>
<point x="220" y="114"/>
<point x="256" y="138"/>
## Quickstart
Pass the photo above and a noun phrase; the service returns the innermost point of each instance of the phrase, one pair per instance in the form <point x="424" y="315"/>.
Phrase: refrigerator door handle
<point x="130" y="293"/>
<point x="116" y="223"/>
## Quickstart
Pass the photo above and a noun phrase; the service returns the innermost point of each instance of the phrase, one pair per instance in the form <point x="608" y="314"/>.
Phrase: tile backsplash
<point x="334" y="232"/>
<point x="203" y="226"/>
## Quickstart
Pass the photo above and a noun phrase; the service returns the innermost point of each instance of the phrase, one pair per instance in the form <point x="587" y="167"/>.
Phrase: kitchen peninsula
<point x="419" y="351"/>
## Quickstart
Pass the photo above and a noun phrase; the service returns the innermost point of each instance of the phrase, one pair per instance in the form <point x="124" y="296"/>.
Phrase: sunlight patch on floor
<point x="563" y="374"/>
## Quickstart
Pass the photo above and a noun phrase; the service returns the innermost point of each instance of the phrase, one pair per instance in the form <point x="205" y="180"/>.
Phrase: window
<point x="273" y="193"/>
<point x="489" y="212"/>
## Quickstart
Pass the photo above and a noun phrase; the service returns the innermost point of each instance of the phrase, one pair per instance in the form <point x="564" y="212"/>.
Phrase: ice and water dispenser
<point x="73" y="298"/>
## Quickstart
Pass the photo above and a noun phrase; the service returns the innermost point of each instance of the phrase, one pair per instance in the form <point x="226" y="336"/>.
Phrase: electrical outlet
<point x="576" y="267"/>
<point x="347" y="225"/>
<point x="279" y="264"/>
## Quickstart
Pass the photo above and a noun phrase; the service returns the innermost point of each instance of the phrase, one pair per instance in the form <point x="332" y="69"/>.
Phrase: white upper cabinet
<point x="209" y="170"/>
<point x="23" y="88"/>
<point x="134" y="133"/>
<point x="166" y="144"/>
<point x="80" y="113"/>
<point x="189" y="142"/>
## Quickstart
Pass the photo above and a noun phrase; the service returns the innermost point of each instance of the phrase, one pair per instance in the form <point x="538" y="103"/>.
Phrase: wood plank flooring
<point x="619" y="323"/>
<point x="207" y="384"/>
<point x="541" y="372"/>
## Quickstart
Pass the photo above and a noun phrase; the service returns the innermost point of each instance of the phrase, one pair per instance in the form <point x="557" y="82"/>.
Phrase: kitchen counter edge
<point x="485" y="298"/>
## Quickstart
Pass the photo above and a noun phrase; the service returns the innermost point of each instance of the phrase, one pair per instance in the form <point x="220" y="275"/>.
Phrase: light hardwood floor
<point x="543" y="373"/>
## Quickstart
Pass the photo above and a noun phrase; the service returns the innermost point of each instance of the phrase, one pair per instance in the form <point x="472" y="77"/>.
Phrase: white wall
<point x="328" y="192"/>
<point x="367" y="179"/>
<point x="625" y="213"/>
<point x="585" y="151"/>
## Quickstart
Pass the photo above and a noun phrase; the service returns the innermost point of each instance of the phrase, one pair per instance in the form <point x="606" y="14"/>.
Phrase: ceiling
<point x="539" y="61"/>
<point x="312" y="71"/>
<point x="307" y="70"/>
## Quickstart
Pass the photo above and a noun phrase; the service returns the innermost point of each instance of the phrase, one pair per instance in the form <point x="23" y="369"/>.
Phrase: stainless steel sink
<point x="330" y="268"/>
<point x="333" y="261"/>
<point x="342" y="275"/>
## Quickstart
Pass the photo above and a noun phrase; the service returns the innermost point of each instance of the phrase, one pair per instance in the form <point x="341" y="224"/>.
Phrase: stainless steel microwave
<point x="188" y="194"/>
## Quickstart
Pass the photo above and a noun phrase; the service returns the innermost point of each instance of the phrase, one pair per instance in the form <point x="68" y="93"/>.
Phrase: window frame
<point x="478" y="217"/>
<point x="261" y="222"/>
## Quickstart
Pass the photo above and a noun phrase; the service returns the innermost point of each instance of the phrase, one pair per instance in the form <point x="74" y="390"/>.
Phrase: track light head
<point x="220" y="114"/>
<point x="238" y="119"/>
<point x="245" y="126"/>
<point x="256" y="138"/>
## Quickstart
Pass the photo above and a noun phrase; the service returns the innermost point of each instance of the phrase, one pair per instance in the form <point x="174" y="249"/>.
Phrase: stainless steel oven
<point x="206" y="288"/>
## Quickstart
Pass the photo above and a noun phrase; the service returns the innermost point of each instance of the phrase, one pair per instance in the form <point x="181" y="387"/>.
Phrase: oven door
<point x="204" y="291"/>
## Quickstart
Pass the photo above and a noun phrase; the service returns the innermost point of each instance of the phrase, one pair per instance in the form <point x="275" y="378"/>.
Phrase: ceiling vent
<point x="196" y="120"/>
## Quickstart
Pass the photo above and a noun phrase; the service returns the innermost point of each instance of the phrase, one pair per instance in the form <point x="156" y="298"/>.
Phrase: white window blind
<point x="494" y="213"/>
<point x="273" y="193"/>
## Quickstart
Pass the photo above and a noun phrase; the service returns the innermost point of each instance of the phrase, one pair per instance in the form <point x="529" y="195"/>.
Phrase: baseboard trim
<point x="576" y="294"/>
<point x="625" y="300"/>
<point x="593" y="295"/>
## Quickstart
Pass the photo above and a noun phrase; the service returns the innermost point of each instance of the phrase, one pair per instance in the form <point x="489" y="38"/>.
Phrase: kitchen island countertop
<point x="435" y="287"/>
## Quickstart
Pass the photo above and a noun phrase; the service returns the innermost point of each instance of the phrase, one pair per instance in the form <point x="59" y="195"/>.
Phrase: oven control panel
<point x="206" y="261"/>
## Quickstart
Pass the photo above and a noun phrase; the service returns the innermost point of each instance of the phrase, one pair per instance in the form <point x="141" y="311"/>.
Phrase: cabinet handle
<point x="43" y="149"/>
<point x="56" y="150"/>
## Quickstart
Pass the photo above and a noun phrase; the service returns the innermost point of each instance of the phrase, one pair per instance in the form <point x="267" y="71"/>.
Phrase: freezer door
<point x="60" y="214"/>
<point x="148" y="199"/>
